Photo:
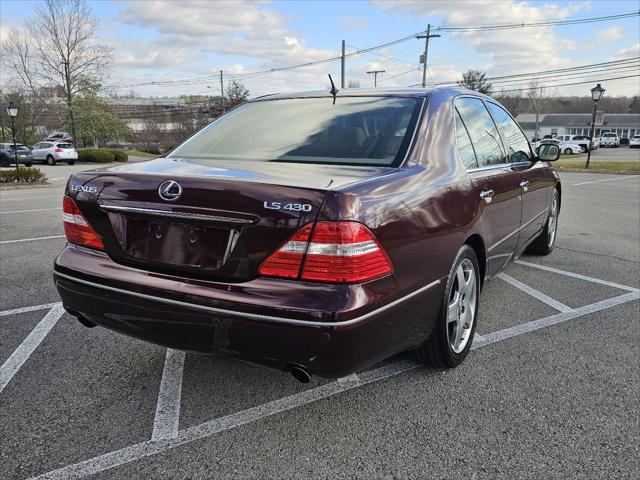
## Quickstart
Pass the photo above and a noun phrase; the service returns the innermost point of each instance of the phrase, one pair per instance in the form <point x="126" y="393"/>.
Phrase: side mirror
<point x="548" y="152"/>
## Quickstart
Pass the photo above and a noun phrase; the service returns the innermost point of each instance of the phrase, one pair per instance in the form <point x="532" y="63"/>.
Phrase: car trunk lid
<point x="196" y="219"/>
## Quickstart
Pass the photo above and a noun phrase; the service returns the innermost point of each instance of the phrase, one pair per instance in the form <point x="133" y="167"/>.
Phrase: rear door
<point x="35" y="151"/>
<point x="495" y="181"/>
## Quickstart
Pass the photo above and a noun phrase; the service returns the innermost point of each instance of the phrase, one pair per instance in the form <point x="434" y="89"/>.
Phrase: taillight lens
<point x="76" y="227"/>
<point x="287" y="260"/>
<point x="57" y="150"/>
<point x="338" y="252"/>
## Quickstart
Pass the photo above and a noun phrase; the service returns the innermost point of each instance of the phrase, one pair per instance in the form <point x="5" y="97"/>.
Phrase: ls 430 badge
<point x="294" y="207"/>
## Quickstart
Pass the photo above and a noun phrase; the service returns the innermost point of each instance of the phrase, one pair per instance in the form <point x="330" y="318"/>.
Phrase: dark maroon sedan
<point x="310" y="233"/>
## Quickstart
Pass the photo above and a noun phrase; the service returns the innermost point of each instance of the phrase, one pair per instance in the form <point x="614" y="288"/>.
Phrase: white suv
<point x="52" y="152"/>
<point x="634" y="142"/>
<point x="609" y="139"/>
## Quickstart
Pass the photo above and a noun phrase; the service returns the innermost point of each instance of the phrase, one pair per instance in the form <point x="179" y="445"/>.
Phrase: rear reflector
<point x="76" y="227"/>
<point x="338" y="252"/>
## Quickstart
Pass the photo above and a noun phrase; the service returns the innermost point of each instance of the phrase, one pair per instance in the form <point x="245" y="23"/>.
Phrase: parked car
<point x="59" y="137"/>
<point x="8" y="158"/>
<point x="583" y="141"/>
<point x="634" y="142"/>
<point x="565" y="147"/>
<point x="52" y="152"/>
<point x="366" y="227"/>
<point x="564" y="138"/>
<point x="610" y="140"/>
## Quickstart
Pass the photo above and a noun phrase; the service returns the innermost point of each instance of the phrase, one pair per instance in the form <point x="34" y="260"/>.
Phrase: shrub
<point x="96" y="155"/>
<point x="23" y="175"/>
<point x="121" y="155"/>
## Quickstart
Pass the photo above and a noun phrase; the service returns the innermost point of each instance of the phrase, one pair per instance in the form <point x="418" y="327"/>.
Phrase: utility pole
<point x="537" y="101"/>
<point x="426" y="53"/>
<point x="222" y="91"/>
<point x="375" y="76"/>
<point x="342" y="67"/>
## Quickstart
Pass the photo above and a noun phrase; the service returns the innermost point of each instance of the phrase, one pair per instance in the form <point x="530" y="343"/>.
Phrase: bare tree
<point x="151" y="132"/>
<point x="58" y="48"/>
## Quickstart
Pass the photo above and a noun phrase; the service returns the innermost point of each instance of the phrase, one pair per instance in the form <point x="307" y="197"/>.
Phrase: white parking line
<point x="4" y="242"/>
<point x="3" y="198"/>
<point x="29" y="344"/>
<point x="228" y="422"/>
<point x="44" y="306"/>
<point x="561" y="307"/>
<point x="167" y="420"/>
<point x="34" y="210"/>
<point x="577" y="275"/>
<point x="607" y="180"/>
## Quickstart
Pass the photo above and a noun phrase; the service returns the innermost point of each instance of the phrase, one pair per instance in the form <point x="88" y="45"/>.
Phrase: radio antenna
<point x="334" y="90"/>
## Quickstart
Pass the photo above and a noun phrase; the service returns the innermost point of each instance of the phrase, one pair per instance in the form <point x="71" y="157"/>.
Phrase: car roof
<point x="373" y="92"/>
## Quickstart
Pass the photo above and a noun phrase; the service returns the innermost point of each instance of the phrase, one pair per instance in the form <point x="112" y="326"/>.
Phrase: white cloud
<point x="504" y="51"/>
<point x="610" y="34"/>
<point x="241" y="27"/>
<point x="632" y="51"/>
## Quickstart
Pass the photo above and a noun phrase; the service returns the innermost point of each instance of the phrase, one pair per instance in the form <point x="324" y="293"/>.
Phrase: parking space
<point x="549" y="391"/>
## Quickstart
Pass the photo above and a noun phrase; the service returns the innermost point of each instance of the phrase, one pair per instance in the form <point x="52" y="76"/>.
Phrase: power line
<point x="507" y="26"/>
<point x="568" y="84"/>
<point x="581" y="69"/>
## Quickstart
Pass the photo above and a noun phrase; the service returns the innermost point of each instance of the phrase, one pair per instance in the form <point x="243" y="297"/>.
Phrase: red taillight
<point x="287" y="260"/>
<point x="57" y="150"/>
<point x="338" y="252"/>
<point x="76" y="227"/>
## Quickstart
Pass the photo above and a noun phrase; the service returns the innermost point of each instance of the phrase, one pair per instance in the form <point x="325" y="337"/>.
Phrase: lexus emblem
<point x="170" y="190"/>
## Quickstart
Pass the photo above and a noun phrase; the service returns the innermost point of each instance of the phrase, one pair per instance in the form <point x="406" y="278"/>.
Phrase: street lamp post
<point x="12" y="111"/>
<point x="596" y="94"/>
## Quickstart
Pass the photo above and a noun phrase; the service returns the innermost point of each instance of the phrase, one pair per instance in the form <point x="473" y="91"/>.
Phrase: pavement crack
<point x="598" y="254"/>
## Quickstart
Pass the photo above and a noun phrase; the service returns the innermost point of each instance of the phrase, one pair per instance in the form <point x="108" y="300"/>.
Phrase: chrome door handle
<point x="525" y="185"/>
<point x="486" y="195"/>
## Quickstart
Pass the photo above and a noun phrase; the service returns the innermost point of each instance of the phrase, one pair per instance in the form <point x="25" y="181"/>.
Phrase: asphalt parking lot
<point x="550" y="390"/>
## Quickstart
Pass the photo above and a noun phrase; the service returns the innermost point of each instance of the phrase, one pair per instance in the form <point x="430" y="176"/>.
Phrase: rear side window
<point x="351" y="131"/>
<point x="467" y="155"/>
<point x="483" y="132"/>
<point x="517" y="143"/>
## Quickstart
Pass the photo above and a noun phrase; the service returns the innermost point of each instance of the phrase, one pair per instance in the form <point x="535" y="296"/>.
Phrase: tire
<point x="71" y="162"/>
<point x="50" y="160"/>
<point x="568" y="151"/>
<point x="546" y="241"/>
<point x="5" y="162"/>
<point x="28" y="164"/>
<point x="443" y="349"/>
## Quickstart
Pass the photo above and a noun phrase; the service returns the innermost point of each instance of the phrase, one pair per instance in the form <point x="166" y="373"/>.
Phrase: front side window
<point x="483" y="132"/>
<point x="517" y="144"/>
<point x="353" y="131"/>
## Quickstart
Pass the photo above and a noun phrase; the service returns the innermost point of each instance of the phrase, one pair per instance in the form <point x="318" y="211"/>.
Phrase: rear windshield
<point x="610" y="135"/>
<point x="64" y="145"/>
<point x="354" y="131"/>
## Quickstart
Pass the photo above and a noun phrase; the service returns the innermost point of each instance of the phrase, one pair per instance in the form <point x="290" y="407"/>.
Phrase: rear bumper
<point x="66" y="155"/>
<point x="327" y="343"/>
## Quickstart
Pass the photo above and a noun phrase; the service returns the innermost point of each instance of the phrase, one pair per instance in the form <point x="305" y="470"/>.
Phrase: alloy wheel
<point x="461" y="309"/>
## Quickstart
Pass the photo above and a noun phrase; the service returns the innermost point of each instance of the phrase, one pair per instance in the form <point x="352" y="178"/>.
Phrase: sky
<point x="177" y="40"/>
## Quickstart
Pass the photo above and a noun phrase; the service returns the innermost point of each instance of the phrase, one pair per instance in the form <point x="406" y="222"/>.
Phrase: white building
<point x="626" y="125"/>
